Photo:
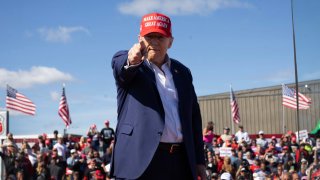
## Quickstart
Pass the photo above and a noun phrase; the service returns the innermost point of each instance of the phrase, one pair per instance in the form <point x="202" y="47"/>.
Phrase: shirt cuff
<point x="131" y="66"/>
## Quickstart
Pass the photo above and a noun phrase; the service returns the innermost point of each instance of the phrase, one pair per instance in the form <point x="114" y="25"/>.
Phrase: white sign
<point x="3" y="123"/>
<point x="318" y="143"/>
<point x="225" y="151"/>
<point x="303" y="134"/>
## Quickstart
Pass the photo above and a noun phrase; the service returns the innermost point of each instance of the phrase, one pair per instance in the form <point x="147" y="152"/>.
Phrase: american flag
<point x="234" y="108"/>
<point x="289" y="98"/>
<point x="19" y="102"/>
<point x="64" y="109"/>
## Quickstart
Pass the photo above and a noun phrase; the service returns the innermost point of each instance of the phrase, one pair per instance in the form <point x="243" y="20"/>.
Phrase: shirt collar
<point x="167" y="62"/>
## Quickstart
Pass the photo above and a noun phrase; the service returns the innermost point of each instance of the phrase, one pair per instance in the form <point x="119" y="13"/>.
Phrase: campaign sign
<point x="225" y="151"/>
<point x="303" y="134"/>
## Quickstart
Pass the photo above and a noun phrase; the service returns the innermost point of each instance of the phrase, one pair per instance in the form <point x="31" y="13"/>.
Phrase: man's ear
<point x="170" y="43"/>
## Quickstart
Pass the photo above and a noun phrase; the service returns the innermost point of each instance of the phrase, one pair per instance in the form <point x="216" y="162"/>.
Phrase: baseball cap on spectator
<point x="99" y="174"/>
<point x="72" y="151"/>
<point x="285" y="148"/>
<point x="47" y="141"/>
<point x="303" y="160"/>
<point x="44" y="135"/>
<point x="226" y="176"/>
<point x="261" y="132"/>
<point x="155" y="22"/>
<point x="106" y="122"/>
<point x="226" y="128"/>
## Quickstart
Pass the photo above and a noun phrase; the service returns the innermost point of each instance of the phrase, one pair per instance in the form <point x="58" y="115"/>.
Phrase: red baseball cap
<point x="155" y="22"/>
<point x="99" y="174"/>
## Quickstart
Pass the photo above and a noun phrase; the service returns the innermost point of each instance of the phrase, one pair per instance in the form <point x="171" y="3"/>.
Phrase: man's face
<point x="156" y="46"/>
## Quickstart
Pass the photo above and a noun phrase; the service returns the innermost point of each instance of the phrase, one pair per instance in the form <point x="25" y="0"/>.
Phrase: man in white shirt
<point x="61" y="148"/>
<point x="242" y="136"/>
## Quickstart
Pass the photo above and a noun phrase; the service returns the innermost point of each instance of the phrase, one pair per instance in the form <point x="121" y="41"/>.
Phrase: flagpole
<point x="295" y="69"/>
<point x="283" y="124"/>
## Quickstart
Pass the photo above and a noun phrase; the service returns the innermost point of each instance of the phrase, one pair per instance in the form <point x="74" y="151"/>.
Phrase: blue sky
<point x="44" y="44"/>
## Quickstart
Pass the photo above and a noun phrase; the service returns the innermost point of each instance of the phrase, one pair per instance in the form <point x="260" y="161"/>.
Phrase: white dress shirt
<point x="169" y="97"/>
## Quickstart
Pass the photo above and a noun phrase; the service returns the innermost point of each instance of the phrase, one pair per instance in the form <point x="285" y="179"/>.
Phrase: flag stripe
<point x="14" y="102"/>
<point x="234" y="108"/>
<point x="289" y="98"/>
<point x="19" y="102"/>
<point x="64" y="109"/>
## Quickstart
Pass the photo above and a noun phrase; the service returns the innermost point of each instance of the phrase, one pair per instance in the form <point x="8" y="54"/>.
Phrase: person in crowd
<point x="226" y="134"/>
<point x="42" y="172"/>
<point x="107" y="135"/>
<point x="82" y="143"/>
<point x="261" y="140"/>
<point x="208" y="135"/>
<point x="23" y="165"/>
<point x="302" y="153"/>
<point x="55" y="168"/>
<point x="94" y="135"/>
<point x="74" y="162"/>
<point x="264" y="170"/>
<point x="54" y="140"/>
<point x="236" y="161"/>
<point x="8" y="155"/>
<point x="255" y="165"/>
<point x="88" y="147"/>
<point x="70" y="143"/>
<point x="159" y="118"/>
<point x="242" y="136"/>
<point x="61" y="148"/>
<point x="279" y="173"/>
<point x="250" y="157"/>
<point x="227" y="167"/>
<point x="9" y="140"/>
<point x="91" y="169"/>
<point x="244" y="172"/>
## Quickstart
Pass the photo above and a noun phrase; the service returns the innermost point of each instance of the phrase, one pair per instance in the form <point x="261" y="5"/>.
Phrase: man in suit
<point x="159" y="131"/>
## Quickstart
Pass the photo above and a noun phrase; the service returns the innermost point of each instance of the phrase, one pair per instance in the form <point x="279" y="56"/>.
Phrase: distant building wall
<point x="261" y="109"/>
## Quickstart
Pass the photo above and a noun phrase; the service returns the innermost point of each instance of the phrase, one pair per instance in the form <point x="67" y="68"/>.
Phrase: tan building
<point x="261" y="109"/>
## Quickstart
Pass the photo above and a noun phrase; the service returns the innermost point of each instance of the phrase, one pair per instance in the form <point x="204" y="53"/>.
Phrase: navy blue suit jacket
<point x="141" y="117"/>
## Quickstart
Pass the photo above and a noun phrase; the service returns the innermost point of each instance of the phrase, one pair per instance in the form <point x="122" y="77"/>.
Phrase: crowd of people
<point x="244" y="156"/>
<point x="60" y="157"/>
<point x="238" y="156"/>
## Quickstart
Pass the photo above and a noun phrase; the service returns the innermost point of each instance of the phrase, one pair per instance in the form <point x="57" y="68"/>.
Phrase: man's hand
<point x="201" y="171"/>
<point x="136" y="53"/>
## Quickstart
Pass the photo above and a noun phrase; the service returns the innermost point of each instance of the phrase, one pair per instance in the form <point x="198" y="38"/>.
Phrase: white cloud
<point x="36" y="75"/>
<point x="55" y="96"/>
<point x="179" y="7"/>
<point x="60" y="34"/>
